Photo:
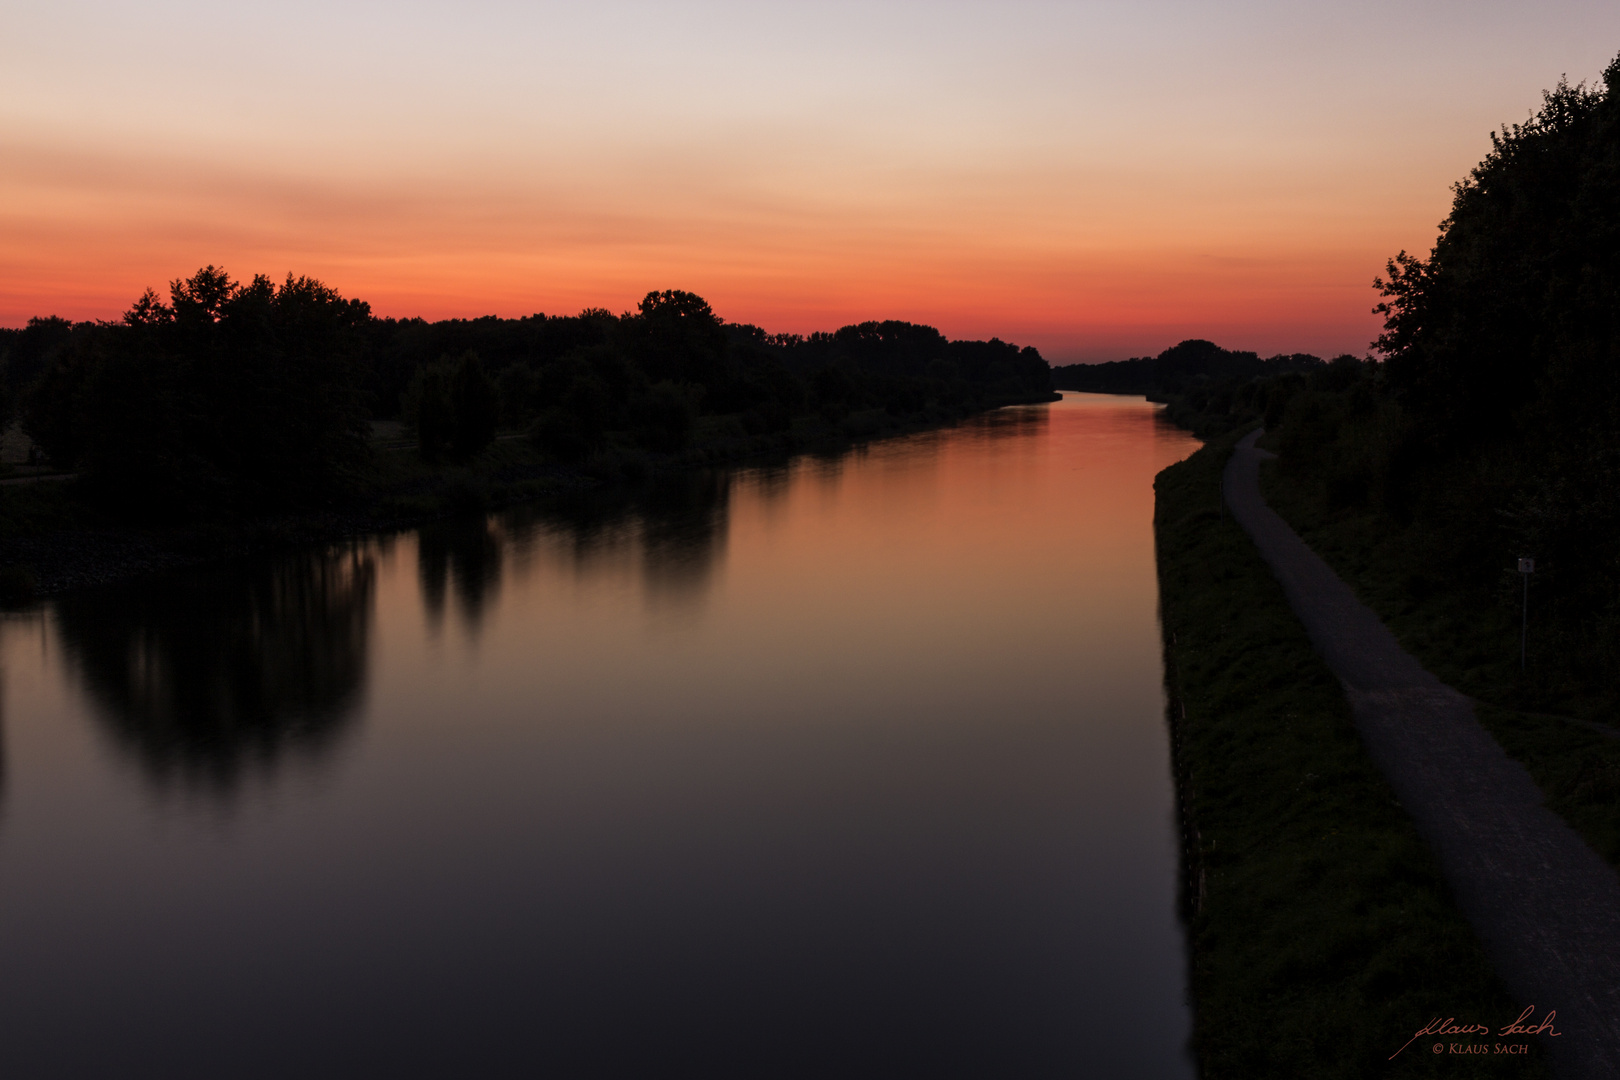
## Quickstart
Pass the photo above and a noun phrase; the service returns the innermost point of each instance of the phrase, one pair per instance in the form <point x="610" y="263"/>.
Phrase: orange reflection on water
<point x="856" y="765"/>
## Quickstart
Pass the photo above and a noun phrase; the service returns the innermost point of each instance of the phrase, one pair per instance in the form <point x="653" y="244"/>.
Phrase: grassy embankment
<point x="1322" y="935"/>
<point x="1467" y="633"/>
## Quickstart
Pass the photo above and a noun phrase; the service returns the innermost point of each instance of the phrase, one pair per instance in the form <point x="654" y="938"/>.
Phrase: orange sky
<point x="1099" y="180"/>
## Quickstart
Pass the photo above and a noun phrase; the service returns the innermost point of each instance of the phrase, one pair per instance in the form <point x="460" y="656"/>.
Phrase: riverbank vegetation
<point x="1491" y="432"/>
<point x="1208" y="389"/>
<point x="1322" y="936"/>
<point x="1488" y="431"/>
<point x="229" y="405"/>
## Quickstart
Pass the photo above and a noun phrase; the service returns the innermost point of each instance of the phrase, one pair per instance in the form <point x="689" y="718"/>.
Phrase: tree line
<point x="1184" y="368"/>
<point x="233" y="397"/>
<point x="1489" y="428"/>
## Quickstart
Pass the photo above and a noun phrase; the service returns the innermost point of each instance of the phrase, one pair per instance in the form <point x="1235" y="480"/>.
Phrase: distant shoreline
<point x="69" y="547"/>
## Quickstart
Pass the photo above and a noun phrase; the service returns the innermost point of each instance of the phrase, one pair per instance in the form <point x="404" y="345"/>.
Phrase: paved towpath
<point x="1545" y="905"/>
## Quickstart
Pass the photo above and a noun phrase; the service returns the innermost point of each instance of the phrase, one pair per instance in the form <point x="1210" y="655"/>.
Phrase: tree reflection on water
<point x="676" y="523"/>
<point x="1013" y="422"/>
<point x="683" y="523"/>
<point x="209" y="675"/>
<point x="212" y="675"/>
<point x="463" y="554"/>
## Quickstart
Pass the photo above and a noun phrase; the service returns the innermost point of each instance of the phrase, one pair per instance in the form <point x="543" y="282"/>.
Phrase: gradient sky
<point x="1096" y="179"/>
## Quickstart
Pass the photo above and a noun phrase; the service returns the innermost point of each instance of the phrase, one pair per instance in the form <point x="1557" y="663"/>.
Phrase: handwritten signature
<point x="1449" y="1026"/>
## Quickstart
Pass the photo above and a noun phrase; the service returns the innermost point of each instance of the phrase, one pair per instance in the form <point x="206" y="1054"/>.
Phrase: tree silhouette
<point x="228" y="397"/>
<point x="475" y="406"/>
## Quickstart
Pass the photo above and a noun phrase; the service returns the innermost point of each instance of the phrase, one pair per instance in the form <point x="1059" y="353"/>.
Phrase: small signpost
<point x="1526" y="568"/>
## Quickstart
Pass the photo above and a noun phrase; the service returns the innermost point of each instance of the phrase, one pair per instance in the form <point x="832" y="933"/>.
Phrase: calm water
<point x="855" y="767"/>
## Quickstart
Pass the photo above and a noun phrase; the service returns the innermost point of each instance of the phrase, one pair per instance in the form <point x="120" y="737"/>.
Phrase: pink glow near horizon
<point x="1097" y="180"/>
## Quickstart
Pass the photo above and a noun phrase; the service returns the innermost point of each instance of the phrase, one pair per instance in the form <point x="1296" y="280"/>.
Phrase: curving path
<point x="1546" y="907"/>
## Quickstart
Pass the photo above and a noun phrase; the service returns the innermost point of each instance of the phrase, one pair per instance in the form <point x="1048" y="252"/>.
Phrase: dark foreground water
<point x="851" y="768"/>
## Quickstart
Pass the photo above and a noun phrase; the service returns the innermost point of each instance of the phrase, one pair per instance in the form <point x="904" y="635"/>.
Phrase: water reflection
<point x="1017" y="422"/>
<point x="466" y="555"/>
<point x="2" y="746"/>
<point x="684" y="526"/>
<point x="205" y="676"/>
<point x="15" y="626"/>
<point x="209" y="675"/>
<point x="676" y="526"/>
<point x="898" y="802"/>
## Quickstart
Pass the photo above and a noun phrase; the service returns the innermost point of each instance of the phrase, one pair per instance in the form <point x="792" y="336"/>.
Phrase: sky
<point x="1099" y="180"/>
